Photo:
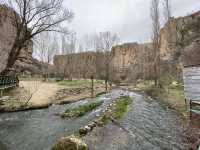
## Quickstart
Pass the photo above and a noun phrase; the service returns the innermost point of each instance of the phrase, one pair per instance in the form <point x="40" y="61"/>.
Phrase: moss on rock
<point x="70" y="143"/>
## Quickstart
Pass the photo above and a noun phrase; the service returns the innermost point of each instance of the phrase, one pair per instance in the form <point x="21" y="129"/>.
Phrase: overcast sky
<point x="130" y="19"/>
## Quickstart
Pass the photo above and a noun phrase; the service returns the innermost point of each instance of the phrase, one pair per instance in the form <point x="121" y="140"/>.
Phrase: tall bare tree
<point x="46" y="47"/>
<point x="167" y="9"/>
<point x="32" y="17"/>
<point x="167" y="72"/>
<point x="104" y="43"/>
<point x="155" y="16"/>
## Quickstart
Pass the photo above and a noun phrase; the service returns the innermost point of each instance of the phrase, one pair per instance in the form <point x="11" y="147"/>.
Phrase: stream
<point x="150" y="125"/>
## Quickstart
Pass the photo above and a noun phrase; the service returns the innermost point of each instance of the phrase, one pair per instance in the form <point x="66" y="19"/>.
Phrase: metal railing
<point x="7" y="82"/>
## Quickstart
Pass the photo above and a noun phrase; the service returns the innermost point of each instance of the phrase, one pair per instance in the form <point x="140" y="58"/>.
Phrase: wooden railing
<point x="7" y="82"/>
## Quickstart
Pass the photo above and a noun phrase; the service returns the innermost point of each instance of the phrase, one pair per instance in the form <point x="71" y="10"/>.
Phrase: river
<point x="149" y="125"/>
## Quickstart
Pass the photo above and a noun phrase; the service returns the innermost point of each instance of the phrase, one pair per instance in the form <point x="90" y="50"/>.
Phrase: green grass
<point x="80" y="110"/>
<point x="121" y="107"/>
<point x="144" y="84"/>
<point x="118" y="110"/>
<point x="78" y="83"/>
<point x="99" y="94"/>
<point x="172" y="96"/>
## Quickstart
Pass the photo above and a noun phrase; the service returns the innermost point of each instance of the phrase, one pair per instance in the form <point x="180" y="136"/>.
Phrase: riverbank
<point x="141" y="128"/>
<point x="173" y="97"/>
<point x="37" y="94"/>
<point x="146" y="125"/>
<point x="112" y="112"/>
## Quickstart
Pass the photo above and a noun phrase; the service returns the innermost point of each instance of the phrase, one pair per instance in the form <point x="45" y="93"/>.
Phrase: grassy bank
<point x="80" y="110"/>
<point x="99" y="94"/>
<point x="78" y="83"/>
<point x="173" y="95"/>
<point x="117" y="110"/>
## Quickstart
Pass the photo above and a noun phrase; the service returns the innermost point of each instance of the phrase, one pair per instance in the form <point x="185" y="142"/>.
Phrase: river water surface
<point x="149" y="124"/>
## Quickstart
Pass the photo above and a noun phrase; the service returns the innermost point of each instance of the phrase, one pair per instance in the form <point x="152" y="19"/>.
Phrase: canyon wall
<point x="80" y="65"/>
<point x="179" y="36"/>
<point x="179" y="46"/>
<point x="25" y="62"/>
<point x="7" y="32"/>
<point x="132" y="61"/>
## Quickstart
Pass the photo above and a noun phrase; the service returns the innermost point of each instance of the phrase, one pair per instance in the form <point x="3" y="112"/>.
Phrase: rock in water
<point x="70" y="143"/>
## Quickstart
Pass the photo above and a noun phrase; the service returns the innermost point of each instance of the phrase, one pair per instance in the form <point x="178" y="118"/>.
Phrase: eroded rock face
<point x="180" y="43"/>
<point x="179" y="46"/>
<point x="180" y="35"/>
<point x="7" y="34"/>
<point x="25" y="62"/>
<point x="130" y="60"/>
<point x="79" y="65"/>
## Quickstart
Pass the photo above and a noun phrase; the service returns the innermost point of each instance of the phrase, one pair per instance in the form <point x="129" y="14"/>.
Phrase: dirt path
<point x="42" y="91"/>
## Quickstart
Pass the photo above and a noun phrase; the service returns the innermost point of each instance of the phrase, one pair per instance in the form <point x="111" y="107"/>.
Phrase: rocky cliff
<point x="179" y="36"/>
<point x="7" y="32"/>
<point x="132" y="61"/>
<point x="180" y="44"/>
<point x="79" y="65"/>
<point x="25" y="62"/>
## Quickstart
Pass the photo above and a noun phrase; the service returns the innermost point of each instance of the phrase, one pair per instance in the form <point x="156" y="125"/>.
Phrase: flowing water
<point x="149" y="125"/>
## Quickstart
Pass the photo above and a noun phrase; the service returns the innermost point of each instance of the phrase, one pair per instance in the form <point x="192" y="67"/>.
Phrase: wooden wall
<point x="191" y="77"/>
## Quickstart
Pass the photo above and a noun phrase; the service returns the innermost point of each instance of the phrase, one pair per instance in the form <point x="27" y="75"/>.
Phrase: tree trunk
<point x="13" y="55"/>
<point x="106" y="84"/>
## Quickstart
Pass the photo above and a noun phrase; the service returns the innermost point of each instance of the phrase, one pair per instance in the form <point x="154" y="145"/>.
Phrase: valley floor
<point x="38" y="94"/>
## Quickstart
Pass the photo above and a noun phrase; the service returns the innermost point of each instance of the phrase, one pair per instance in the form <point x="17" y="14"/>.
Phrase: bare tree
<point x="32" y="17"/>
<point x="46" y="47"/>
<point x="104" y="43"/>
<point x="167" y="9"/>
<point x="155" y="16"/>
<point x="69" y="49"/>
<point x="166" y="72"/>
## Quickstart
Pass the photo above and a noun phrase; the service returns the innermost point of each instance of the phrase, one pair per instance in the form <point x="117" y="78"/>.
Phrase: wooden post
<point x="190" y="109"/>
<point x="92" y="88"/>
<point x="1" y="93"/>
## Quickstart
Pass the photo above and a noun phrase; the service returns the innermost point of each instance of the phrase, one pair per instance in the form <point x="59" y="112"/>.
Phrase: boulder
<point x="70" y="143"/>
<point x="82" y="131"/>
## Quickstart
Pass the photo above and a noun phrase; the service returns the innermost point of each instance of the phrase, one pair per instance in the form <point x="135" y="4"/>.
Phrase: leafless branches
<point x="167" y="9"/>
<point x="32" y="17"/>
<point x="104" y="42"/>
<point x="155" y="16"/>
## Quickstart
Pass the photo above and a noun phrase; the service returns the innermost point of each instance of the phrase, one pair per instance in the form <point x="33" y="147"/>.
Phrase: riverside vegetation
<point x="116" y="110"/>
<point x="80" y="110"/>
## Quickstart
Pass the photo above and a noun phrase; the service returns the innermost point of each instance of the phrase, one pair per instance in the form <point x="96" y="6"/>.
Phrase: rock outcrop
<point x="130" y="61"/>
<point x="25" y="62"/>
<point x="79" y="65"/>
<point x="7" y="32"/>
<point x="180" y="44"/>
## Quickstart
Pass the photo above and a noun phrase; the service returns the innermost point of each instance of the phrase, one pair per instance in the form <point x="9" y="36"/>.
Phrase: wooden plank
<point x="191" y="78"/>
<point x="195" y="111"/>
